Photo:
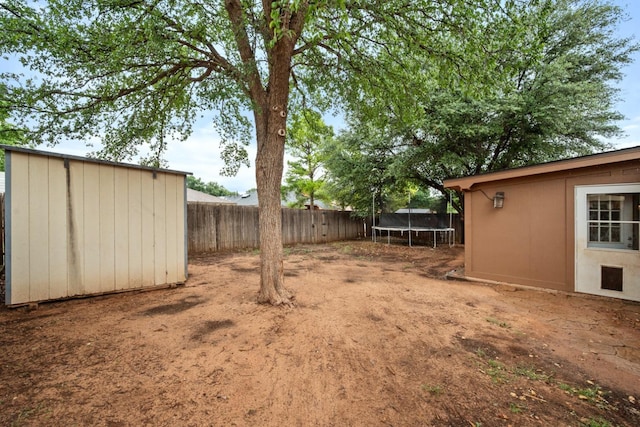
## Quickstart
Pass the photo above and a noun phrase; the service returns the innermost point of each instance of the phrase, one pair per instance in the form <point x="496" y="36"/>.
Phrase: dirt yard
<point x="376" y="339"/>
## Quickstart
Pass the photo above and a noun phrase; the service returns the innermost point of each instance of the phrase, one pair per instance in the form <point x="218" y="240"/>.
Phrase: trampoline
<point x="416" y="223"/>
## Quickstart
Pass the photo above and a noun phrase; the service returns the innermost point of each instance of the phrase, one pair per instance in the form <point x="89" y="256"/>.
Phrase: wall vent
<point x="611" y="278"/>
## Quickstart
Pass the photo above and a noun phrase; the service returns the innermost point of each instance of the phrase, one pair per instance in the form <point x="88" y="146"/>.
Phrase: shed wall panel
<point x="547" y="236"/>
<point x="107" y="229"/>
<point x="148" y="252"/>
<point x="160" y="228"/>
<point x="58" y="265"/>
<point x="121" y="228"/>
<point x="75" y="226"/>
<point x="181" y="230"/>
<point x="134" y="224"/>
<point x="38" y="228"/>
<point x="171" y="238"/>
<point x="91" y="221"/>
<point x="20" y="241"/>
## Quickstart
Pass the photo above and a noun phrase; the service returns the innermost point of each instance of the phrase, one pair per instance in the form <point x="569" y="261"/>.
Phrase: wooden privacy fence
<point x="212" y="227"/>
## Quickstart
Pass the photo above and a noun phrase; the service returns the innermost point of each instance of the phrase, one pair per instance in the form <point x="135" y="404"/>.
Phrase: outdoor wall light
<point x="498" y="200"/>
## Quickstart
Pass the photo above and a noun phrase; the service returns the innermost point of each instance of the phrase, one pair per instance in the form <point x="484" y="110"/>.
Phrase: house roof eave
<point x="609" y="157"/>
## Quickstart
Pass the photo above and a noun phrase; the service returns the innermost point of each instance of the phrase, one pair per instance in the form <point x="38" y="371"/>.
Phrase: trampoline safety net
<point x="436" y="228"/>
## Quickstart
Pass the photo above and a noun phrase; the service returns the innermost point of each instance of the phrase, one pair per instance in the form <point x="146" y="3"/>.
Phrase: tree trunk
<point x="270" y="116"/>
<point x="269" y="167"/>
<point x="270" y="113"/>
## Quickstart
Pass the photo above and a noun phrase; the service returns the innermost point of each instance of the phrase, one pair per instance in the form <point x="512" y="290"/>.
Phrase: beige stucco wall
<point x="530" y="241"/>
<point x="81" y="227"/>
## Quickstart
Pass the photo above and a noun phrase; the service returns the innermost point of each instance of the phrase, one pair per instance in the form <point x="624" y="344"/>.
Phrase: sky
<point x="199" y="153"/>
<point x="629" y="104"/>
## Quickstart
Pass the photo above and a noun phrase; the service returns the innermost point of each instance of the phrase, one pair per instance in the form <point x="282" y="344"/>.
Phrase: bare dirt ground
<point x="376" y="339"/>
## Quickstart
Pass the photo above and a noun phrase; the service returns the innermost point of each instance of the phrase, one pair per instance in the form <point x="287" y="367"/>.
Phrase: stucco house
<point x="569" y="225"/>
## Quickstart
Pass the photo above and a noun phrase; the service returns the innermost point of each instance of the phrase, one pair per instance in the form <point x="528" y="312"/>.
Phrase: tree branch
<point x="247" y="55"/>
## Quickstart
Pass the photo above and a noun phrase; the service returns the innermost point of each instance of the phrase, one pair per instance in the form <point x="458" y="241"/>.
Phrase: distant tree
<point x="425" y="199"/>
<point x="308" y="139"/>
<point x="212" y="188"/>
<point x="358" y="173"/>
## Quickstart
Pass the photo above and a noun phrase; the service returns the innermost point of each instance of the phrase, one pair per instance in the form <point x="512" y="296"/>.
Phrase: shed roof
<point x="600" y="159"/>
<point x="87" y="159"/>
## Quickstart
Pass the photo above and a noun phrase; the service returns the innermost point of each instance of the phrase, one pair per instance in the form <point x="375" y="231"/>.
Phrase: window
<point x="613" y="220"/>
<point x="604" y="218"/>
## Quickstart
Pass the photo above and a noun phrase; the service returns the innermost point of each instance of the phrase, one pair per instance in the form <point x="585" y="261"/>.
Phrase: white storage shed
<point x="77" y="226"/>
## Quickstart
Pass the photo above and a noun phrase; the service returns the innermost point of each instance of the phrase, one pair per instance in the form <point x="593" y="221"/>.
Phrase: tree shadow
<point x="210" y="326"/>
<point x="176" y="307"/>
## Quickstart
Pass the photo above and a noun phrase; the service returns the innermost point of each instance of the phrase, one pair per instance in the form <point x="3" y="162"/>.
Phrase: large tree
<point x="132" y="72"/>
<point x="550" y="95"/>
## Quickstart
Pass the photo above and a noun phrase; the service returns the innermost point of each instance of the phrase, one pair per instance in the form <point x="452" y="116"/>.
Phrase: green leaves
<point x="308" y="140"/>
<point x="526" y="82"/>
<point x="280" y="15"/>
<point x="128" y="73"/>
<point x="459" y="87"/>
<point x="9" y="134"/>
